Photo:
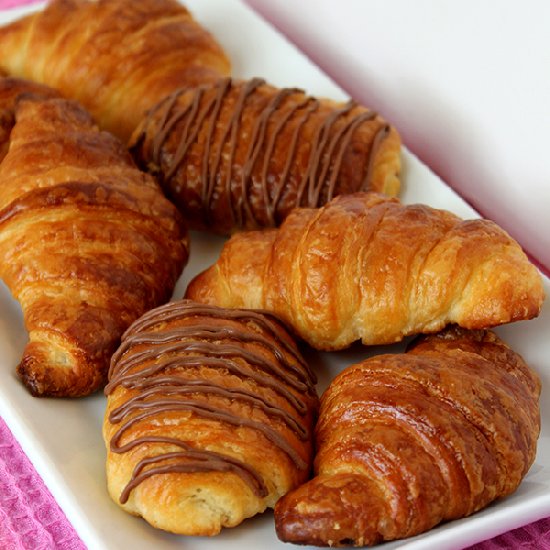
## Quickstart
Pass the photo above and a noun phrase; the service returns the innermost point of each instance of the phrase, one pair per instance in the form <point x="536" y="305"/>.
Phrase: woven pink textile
<point x="535" y="536"/>
<point x="30" y="518"/>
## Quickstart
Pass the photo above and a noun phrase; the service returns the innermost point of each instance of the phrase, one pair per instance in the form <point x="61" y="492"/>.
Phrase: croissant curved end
<point x="333" y="510"/>
<point x="48" y="371"/>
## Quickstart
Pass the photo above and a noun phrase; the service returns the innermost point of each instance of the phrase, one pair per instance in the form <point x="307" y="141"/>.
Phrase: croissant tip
<point x="336" y="510"/>
<point x="42" y="380"/>
<point x="33" y="379"/>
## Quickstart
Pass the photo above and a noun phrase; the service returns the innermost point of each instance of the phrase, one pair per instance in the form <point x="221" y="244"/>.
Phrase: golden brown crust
<point x="209" y="417"/>
<point x="242" y="154"/>
<point x="117" y="57"/>
<point x="367" y="267"/>
<point x="87" y="241"/>
<point x="407" y="441"/>
<point x="11" y="91"/>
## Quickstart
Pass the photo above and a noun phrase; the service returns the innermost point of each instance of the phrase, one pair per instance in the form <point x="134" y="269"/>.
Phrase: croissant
<point x="87" y="242"/>
<point x="117" y="57"/>
<point x="209" y="417"/>
<point x="407" y="441"/>
<point x="367" y="267"/>
<point x="243" y="154"/>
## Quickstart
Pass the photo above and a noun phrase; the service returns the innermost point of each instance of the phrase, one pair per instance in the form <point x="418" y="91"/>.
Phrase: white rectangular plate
<point x="63" y="437"/>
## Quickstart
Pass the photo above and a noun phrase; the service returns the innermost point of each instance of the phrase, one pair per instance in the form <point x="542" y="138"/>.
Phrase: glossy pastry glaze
<point x="205" y="392"/>
<point x="407" y="441"/>
<point x="11" y="90"/>
<point x="242" y="154"/>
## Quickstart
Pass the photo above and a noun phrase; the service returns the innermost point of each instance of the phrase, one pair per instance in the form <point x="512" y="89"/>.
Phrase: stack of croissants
<point x="121" y="130"/>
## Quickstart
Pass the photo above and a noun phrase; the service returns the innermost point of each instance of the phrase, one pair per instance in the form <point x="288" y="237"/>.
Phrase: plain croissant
<point x="367" y="267"/>
<point x="243" y="154"/>
<point x="117" y="57"/>
<point x="209" y="417"/>
<point x="407" y="441"/>
<point x="87" y="242"/>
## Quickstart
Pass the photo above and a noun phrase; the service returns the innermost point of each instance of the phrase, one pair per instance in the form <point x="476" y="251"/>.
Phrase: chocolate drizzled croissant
<point x="243" y="154"/>
<point x="209" y="417"/>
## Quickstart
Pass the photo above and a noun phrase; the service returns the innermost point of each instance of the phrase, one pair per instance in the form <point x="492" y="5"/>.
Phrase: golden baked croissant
<point x="407" y="441"/>
<point x="117" y="57"/>
<point x="367" y="267"/>
<point x="87" y="242"/>
<point x="243" y="154"/>
<point x="209" y="417"/>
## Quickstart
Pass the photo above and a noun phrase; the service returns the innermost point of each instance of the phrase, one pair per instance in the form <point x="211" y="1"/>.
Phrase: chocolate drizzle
<point x="201" y="114"/>
<point x="187" y="460"/>
<point x="162" y="359"/>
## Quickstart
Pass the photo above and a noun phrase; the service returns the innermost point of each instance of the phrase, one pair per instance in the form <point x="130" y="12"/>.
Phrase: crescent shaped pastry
<point x="209" y="417"/>
<point x="117" y="57"/>
<point x="87" y="242"/>
<point x="242" y="154"/>
<point x="366" y="267"/>
<point x="407" y="441"/>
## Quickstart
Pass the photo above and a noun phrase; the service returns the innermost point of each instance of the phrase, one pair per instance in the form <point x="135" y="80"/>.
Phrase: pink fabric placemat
<point x="30" y="518"/>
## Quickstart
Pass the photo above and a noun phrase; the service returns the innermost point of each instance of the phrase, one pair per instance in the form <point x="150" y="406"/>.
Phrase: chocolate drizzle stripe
<point x="326" y="164"/>
<point x="182" y="309"/>
<point x="126" y="380"/>
<point x="326" y="152"/>
<point x="175" y="385"/>
<point x="184" y="145"/>
<point x="310" y="180"/>
<point x="209" y="412"/>
<point x="193" y="460"/>
<point x="314" y="106"/>
<point x="231" y="130"/>
<point x="346" y="131"/>
<point x="223" y="86"/>
<point x="382" y="134"/>
<point x="254" y="149"/>
<point x="234" y="125"/>
<point x="175" y="340"/>
<point x="271" y="206"/>
<point x="182" y="467"/>
<point x="207" y="332"/>
<point x="165" y="129"/>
